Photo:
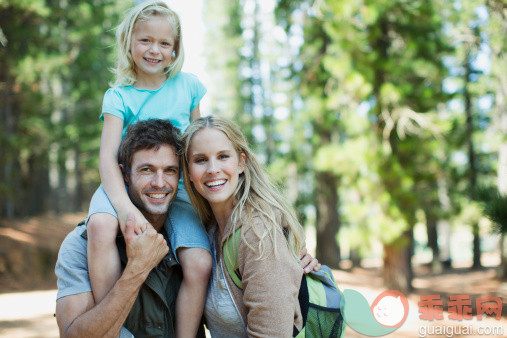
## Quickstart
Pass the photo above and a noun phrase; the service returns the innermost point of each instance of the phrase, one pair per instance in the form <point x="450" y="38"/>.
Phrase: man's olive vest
<point x="152" y="314"/>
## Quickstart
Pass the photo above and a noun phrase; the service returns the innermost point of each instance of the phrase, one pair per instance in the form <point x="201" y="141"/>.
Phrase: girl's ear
<point x="242" y="162"/>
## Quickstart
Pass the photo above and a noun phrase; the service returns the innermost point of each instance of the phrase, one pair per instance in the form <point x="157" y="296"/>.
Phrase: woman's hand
<point x="308" y="263"/>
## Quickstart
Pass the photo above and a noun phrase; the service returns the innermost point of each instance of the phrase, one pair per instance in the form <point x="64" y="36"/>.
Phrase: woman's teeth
<point x="215" y="183"/>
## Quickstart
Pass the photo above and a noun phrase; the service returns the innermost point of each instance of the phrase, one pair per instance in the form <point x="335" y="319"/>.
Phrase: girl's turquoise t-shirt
<point x="173" y="101"/>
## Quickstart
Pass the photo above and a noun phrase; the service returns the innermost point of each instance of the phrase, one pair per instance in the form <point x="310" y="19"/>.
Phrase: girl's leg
<point x="103" y="259"/>
<point x="196" y="264"/>
<point x="191" y="244"/>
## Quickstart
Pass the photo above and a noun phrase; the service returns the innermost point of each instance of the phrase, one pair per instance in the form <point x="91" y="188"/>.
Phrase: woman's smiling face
<point x="214" y="168"/>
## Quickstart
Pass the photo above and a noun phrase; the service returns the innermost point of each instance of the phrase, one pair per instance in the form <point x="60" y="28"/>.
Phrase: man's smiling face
<point x="153" y="180"/>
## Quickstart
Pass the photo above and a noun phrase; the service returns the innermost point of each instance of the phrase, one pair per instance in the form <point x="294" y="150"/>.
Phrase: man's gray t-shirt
<point x="72" y="265"/>
<point x="72" y="268"/>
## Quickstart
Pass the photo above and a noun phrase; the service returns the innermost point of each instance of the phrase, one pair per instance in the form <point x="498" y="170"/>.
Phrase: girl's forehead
<point x="159" y="17"/>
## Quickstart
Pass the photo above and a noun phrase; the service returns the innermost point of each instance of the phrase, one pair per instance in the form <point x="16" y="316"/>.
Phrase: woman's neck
<point x="222" y="216"/>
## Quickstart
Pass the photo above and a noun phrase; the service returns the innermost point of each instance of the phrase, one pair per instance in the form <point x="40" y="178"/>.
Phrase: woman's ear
<point x="242" y="162"/>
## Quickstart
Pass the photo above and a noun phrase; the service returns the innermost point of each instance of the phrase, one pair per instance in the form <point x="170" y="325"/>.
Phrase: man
<point x="143" y="298"/>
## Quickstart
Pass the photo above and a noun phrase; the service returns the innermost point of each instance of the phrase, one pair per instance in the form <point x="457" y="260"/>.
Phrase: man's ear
<point x="124" y="173"/>
<point x="242" y="162"/>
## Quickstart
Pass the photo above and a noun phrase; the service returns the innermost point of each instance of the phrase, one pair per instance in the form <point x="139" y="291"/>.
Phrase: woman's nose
<point x="212" y="167"/>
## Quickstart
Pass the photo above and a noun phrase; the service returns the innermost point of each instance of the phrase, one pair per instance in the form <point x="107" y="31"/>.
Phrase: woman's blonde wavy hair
<point x="125" y="71"/>
<point x="255" y="194"/>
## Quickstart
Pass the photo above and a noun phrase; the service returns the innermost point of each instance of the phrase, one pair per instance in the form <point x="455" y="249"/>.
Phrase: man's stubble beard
<point x="138" y="203"/>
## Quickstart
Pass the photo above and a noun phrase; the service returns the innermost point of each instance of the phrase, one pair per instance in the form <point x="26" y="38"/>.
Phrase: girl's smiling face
<point x="152" y="47"/>
<point x="214" y="168"/>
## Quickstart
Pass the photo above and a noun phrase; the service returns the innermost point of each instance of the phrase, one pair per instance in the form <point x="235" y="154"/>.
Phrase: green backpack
<point x="319" y="296"/>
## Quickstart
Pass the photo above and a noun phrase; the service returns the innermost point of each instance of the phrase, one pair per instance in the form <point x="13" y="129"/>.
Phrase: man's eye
<point x="171" y="171"/>
<point x="145" y="170"/>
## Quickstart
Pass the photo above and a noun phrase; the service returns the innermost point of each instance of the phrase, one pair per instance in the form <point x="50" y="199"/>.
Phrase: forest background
<point x="384" y="121"/>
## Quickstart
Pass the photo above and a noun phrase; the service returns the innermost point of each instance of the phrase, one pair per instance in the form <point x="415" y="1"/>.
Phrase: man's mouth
<point x="157" y="196"/>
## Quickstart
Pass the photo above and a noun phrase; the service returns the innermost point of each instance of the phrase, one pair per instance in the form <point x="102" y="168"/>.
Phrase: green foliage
<point x="57" y="56"/>
<point x="496" y="211"/>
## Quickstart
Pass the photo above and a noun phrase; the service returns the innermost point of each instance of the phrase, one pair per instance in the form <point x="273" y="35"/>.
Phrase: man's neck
<point x="156" y="221"/>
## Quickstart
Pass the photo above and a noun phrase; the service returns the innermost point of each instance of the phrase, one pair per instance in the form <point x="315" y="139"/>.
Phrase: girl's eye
<point x="166" y="44"/>
<point x="199" y="160"/>
<point x="223" y="156"/>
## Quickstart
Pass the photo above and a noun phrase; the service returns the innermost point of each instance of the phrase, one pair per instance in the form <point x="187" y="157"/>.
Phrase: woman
<point x="230" y="190"/>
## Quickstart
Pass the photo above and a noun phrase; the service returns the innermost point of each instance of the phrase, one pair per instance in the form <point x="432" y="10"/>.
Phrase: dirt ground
<point x="27" y="290"/>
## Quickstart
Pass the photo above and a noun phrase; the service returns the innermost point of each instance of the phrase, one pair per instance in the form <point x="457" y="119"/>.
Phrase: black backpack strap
<point x="304" y="301"/>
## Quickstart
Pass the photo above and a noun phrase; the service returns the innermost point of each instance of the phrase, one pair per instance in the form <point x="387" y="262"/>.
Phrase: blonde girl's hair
<point x="125" y="68"/>
<point x="254" y="195"/>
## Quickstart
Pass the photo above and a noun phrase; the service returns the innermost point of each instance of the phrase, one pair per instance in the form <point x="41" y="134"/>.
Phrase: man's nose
<point x="158" y="180"/>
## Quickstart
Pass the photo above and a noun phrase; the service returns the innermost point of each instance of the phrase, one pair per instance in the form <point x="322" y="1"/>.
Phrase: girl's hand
<point x="140" y="221"/>
<point x="308" y="263"/>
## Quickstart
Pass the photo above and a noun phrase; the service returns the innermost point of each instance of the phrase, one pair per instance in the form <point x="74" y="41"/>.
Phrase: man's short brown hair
<point x="146" y="135"/>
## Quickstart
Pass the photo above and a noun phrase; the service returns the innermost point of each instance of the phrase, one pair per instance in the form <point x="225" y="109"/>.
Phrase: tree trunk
<point x="328" y="219"/>
<point x="502" y="271"/>
<point x="471" y="158"/>
<point x="443" y="226"/>
<point x="355" y="258"/>
<point x="397" y="271"/>
<point x="9" y="153"/>
<point x="431" y="228"/>
<point x="496" y="9"/>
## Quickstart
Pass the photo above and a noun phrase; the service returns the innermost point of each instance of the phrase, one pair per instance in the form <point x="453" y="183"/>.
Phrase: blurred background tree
<point x="54" y="71"/>
<point x="382" y="118"/>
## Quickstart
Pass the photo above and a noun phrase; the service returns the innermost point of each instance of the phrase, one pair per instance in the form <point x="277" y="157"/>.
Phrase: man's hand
<point x="308" y="263"/>
<point x="146" y="249"/>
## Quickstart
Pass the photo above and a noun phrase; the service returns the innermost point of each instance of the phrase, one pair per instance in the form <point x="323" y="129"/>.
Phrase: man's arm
<point x="78" y="316"/>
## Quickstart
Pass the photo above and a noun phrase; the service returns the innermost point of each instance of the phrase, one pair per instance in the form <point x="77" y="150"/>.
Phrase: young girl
<point x="148" y="85"/>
